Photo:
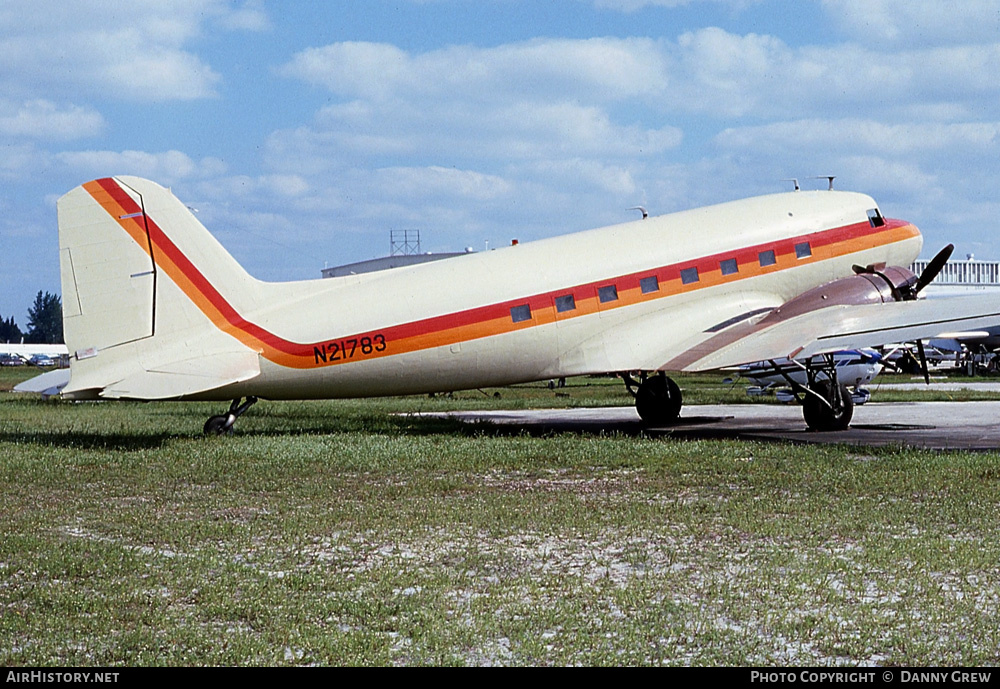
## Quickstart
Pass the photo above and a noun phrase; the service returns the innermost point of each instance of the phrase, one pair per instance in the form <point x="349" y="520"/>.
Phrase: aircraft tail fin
<point x="141" y="280"/>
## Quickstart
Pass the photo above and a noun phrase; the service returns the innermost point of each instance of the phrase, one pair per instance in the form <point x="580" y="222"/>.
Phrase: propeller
<point x="926" y="277"/>
<point x="933" y="268"/>
<point x="923" y="362"/>
<point x="909" y="292"/>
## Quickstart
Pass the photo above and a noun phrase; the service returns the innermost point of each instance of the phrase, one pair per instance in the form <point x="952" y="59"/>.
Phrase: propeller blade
<point x="933" y="268"/>
<point x="923" y="362"/>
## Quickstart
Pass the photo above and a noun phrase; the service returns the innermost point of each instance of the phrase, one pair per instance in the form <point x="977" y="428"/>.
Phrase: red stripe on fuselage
<point x="302" y="354"/>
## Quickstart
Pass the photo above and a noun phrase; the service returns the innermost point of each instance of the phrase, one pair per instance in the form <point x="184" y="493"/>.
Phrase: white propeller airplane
<point x="855" y="368"/>
<point x="156" y="309"/>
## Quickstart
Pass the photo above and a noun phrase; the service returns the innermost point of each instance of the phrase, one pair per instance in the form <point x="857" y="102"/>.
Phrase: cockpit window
<point x="875" y="218"/>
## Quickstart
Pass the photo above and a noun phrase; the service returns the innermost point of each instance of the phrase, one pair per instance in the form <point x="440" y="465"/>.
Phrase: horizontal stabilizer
<point x="48" y="384"/>
<point x="187" y="378"/>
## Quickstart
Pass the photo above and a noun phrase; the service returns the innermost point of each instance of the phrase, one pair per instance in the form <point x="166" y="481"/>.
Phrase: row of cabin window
<point x="650" y="284"/>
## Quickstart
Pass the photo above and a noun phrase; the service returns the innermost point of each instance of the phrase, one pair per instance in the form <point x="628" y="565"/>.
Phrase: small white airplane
<point x="155" y="309"/>
<point x="855" y="368"/>
<point x="26" y="351"/>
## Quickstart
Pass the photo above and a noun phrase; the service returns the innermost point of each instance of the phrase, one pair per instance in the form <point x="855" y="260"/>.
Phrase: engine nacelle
<point x="875" y="285"/>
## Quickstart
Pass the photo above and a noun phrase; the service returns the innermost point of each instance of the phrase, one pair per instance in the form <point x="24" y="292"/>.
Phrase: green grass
<point x="342" y="533"/>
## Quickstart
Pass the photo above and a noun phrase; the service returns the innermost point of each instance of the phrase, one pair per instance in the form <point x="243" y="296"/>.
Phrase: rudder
<point x="139" y="274"/>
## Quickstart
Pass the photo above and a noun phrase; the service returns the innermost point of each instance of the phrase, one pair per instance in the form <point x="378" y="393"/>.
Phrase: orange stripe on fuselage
<point x="484" y="321"/>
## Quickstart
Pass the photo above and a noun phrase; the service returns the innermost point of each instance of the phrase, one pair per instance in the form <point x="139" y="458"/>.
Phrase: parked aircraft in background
<point x="974" y="341"/>
<point x="25" y="352"/>
<point x="855" y="369"/>
<point x="155" y="308"/>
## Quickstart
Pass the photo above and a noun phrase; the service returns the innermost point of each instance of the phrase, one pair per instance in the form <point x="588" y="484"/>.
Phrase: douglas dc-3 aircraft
<point x="155" y="309"/>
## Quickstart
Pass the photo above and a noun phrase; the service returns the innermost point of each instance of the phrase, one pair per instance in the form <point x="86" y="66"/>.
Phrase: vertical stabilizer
<point x="142" y="280"/>
<point x="108" y="275"/>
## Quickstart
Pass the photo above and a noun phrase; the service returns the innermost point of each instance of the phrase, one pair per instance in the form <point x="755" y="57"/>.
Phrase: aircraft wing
<point x="836" y="328"/>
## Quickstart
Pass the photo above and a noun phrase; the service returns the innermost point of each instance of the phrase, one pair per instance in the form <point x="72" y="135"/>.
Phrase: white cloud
<point x="245" y="186"/>
<point x="42" y="119"/>
<point x="731" y="76"/>
<point x="881" y="174"/>
<point x="965" y="138"/>
<point x="118" y="50"/>
<point x="166" y="168"/>
<point x="708" y="71"/>
<point x="18" y="159"/>
<point x="635" y="5"/>
<point x="419" y="183"/>
<point x="250" y="16"/>
<point x="871" y="21"/>
<point x="587" y="174"/>
<point x="550" y="99"/>
<point x="542" y="69"/>
<point x="459" y="133"/>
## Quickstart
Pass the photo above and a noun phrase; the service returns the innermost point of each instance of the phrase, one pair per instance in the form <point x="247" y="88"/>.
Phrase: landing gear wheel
<point x="217" y="425"/>
<point x="223" y="423"/>
<point x="833" y="417"/>
<point x="658" y="400"/>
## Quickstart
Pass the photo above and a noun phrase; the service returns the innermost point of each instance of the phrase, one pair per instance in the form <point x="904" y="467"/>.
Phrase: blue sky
<point x="303" y="132"/>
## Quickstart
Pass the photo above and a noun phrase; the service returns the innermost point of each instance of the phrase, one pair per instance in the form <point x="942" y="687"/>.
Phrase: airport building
<point x="385" y="263"/>
<point x="404" y="251"/>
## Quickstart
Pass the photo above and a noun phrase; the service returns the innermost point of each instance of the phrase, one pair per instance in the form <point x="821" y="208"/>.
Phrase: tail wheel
<point x="222" y="424"/>
<point x="658" y="400"/>
<point x="835" y="416"/>
<point x="218" y="425"/>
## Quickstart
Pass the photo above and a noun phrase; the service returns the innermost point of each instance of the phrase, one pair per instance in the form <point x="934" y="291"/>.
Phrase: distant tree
<point x="45" y="320"/>
<point x="9" y="332"/>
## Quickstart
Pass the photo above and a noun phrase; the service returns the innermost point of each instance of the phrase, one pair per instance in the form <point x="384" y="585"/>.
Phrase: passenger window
<point x="520" y="313"/>
<point x="650" y="284"/>
<point x="689" y="275"/>
<point x="608" y="293"/>
<point x="729" y="266"/>
<point x="766" y="258"/>
<point x="565" y="303"/>
<point x="803" y="250"/>
<point x="875" y="218"/>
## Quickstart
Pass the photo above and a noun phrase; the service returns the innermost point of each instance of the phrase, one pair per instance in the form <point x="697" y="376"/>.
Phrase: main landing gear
<point x="827" y="406"/>
<point x="657" y="398"/>
<point x="223" y="423"/>
<point x="826" y="402"/>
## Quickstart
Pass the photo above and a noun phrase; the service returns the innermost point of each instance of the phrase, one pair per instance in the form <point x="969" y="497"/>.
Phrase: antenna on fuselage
<point x="794" y="182"/>
<point x="829" y="178"/>
<point x="640" y="209"/>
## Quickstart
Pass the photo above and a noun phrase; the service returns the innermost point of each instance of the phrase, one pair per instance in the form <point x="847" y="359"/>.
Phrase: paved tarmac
<point x="936" y="425"/>
<point x="938" y="385"/>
